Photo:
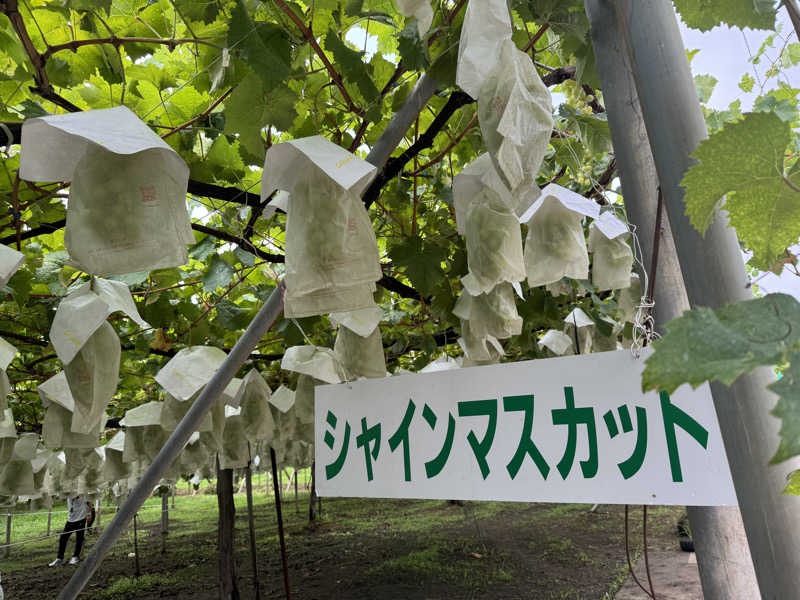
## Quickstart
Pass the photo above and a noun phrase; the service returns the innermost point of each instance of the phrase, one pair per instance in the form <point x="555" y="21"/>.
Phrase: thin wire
<point x="56" y="512"/>
<point x="45" y="537"/>
<point x="643" y="323"/>
<point x="339" y="362"/>
<point x="310" y="343"/>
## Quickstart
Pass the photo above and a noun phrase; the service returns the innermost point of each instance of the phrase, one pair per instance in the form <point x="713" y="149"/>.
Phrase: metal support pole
<point x="723" y="557"/>
<point x="248" y="477"/>
<point x="49" y="520"/>
<point x="714" y="275"/>
<point x="176" y="442"/>
<point x="402" y="121"/>
<point x="296" y="502"/>
<point x="276" y="486"/>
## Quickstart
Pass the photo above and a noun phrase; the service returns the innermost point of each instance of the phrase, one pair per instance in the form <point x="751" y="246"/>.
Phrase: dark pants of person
<point x="79" y="528"/>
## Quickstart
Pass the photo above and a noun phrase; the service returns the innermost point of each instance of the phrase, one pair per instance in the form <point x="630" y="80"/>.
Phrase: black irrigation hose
<point x="650" y="594"/>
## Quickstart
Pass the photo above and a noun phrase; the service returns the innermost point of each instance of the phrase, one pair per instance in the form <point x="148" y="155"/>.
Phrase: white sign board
<point x="571" y="429"/>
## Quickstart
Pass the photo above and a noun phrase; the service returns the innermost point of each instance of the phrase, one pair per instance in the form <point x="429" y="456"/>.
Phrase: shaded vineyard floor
<point x="367" y="549"/>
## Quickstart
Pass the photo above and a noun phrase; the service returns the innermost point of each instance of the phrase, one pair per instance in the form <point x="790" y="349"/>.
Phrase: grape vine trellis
<point x="224" y="81"/>
<point x="180" y="109"/>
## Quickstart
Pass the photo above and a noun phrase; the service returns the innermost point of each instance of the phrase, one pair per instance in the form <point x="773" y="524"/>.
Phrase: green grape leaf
<point x="706" y="14"/>
<point x="131" y="279"/>
<point x="792" y="55"/>
<point x="411" y="47"/>
<point x="784" y="108"/>
<point x="230" y="316"/>
<point x="422" y="262"/>
<point x="20" y="285"/>
<point x="747" y="82"/>
<point x="264" y="46"/>
<point x="787" y="410"/>
<point x="218" y="274"/>
<point x="705" y="86"/>
<point x="197" y="11"/>
<point x="350" y="63"/>
<point x="280" y="109"/>
<point x="160" y="313"/>
<point x="745" y="161"/>
<point x="244" y="114"/>
<point x="203" y="248"/>
<point x="705" y="344"/>
<point x="793" y="487"/>
<point x="224" y="159"/>
<point x="52" y="264"/>
<point x="10" y="44"/>
<point x="593" y="130"/>
<point x="89" y="5"/>
<point x="569" y="153"/>
<point x="249" y="109"/>
<point x="586" y="65"/>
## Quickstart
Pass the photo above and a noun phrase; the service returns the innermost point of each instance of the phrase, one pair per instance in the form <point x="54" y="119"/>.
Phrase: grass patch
<point x="128" y="588"/>
<point x="357" y="515"/>
<point x="462" y="565"/>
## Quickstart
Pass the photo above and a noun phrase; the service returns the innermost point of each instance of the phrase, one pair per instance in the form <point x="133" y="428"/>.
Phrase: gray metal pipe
<point x="402" y="120"/>
<point x="714" y="275"/>
<point x="723" y="556"/>
<point x="176" y="442"/>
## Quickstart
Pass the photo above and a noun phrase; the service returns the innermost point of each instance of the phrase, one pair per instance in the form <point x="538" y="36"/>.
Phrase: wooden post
<point x="277" y="487"/>
<point x="164" y="522"/>
<point x="8" y="535"/>
<point x="312" y="496"/>
<point x="296" y="502"/>
<point x="228" y="586"/>
<point x="136" y="545"/>
<point x="248" y="476"/>
<point x="49" y="520"/>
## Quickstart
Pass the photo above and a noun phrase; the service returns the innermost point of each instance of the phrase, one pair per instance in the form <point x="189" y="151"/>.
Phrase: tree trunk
<point x="228" y="589"/>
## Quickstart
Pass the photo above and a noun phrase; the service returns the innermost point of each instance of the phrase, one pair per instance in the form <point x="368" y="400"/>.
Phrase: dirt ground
<point x="363" y="549"/>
